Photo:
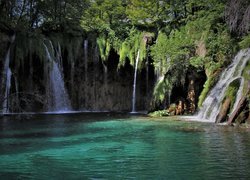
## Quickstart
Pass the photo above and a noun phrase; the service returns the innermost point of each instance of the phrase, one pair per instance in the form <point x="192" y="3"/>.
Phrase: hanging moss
<point x="163" y="85"/>
<point x="124" y="51"/>
<point x="137" y="41"/>
<point x="104" y="46"/>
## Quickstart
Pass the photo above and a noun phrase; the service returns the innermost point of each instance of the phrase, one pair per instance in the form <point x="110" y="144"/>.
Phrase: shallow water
<point x="118" y="146"/>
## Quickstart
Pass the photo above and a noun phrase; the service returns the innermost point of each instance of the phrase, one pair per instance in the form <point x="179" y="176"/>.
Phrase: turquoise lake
<point x="120" y="146"/>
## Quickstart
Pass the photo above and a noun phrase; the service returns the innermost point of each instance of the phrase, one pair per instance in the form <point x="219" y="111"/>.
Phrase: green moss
<point x="245" y="43"/>
<point x="246" y="76"/>
<point x="104" y="46"/>
<point x="159" y="113"/>
<point x="231" y="92"/>
<point x="162" y="86"/>
<point x="206" y="88"/>
<point x="135" y="42"/>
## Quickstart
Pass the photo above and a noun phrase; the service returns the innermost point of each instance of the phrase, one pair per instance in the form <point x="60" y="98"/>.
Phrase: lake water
<point x="118" y="146"/>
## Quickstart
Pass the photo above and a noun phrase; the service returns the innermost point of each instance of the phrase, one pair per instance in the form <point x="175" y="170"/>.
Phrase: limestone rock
<point x="180" y="108"/>
<point x="222" y="116"/>
<point x="191" y="97"/>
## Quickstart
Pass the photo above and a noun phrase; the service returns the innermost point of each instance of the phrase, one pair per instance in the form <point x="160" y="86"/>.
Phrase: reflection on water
<point x="116" y="146"/>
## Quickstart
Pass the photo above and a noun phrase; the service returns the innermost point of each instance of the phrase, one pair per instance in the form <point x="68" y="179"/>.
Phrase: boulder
<point x="172" y="109"/>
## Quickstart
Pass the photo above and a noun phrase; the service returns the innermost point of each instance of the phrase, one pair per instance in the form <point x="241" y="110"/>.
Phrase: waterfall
<point x="7" y="78"/>
<point x="17" y="91"/>
<point x="211" y="105"/>
<point x="59" y="56"/>
<point x="105" y="69"/>
<point x="134" y="84"/>
<point x="7" y="74"/>
<point x="85" y="71"/>
<point x="58" y="96"/>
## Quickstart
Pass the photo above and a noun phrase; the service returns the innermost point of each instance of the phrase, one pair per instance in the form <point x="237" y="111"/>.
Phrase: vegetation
<point x="232" y="92"/>
<point x="159" y="113"/>
<point x="189" y="34"/>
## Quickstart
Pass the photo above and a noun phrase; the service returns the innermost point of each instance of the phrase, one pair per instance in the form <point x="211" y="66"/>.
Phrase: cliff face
<point x="91" y="84"/>
<point x="4" y="43"/>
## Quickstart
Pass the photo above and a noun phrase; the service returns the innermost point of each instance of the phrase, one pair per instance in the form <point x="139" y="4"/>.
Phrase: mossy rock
<point x="231" y="92"/>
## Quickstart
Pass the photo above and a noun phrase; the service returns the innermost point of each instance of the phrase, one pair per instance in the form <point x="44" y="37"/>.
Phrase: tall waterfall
<point x="7" y="75"/>
<point x="85" y="71"/>
<point x="211" y="106"/>
<point x="58" y="96"/>
<point x="134" y="84"/>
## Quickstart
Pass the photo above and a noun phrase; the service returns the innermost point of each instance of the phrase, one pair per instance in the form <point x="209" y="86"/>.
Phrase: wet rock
<point x="172" y="109"/>
<point x="222" y="116"/>
<point x="180" y="108"/>
<point x="191" y="97"/>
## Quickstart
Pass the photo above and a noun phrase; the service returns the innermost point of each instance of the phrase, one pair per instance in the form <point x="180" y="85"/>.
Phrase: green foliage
<point x="135" y="42"/>
<point x="210" y="82"/>
<point x="104" y="16"/>
<point x="190" y="33"/>
<point x="159" y="113"/>
<point x="33" y="14"/>
<point x="162" y="86"/>
<point x="104" y="47"/>
<point x="245" y="43"/>
<point x="170" y="54"/>
<point x="203" y="42"/>
<point x="197" y="62"/>
<point x="149" y="13"/>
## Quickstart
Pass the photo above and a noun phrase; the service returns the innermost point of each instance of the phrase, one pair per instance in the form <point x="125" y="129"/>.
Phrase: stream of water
<point x="134" y="83"/>
<point x="58" y="96"/>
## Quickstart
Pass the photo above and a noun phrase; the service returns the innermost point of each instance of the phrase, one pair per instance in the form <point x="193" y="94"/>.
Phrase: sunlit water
<point x="108" y="146"/>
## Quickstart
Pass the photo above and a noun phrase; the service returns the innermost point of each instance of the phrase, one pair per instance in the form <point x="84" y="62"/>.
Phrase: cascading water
<point x="134" y="84"/>
<point x="85" y="70"/>
<point x="105" y="69"/>
<point x="211" y="106"/>
<point x="7" y="74"/>
<point x="7" y="78"/>
<point x="58" y="97"/>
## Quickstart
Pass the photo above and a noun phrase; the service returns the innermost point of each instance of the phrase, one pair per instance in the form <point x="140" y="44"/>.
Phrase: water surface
<point x="118" y="146"/>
